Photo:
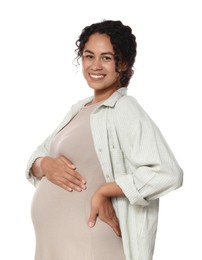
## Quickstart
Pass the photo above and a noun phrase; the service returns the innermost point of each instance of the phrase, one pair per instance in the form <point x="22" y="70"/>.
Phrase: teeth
<point x="96" y="76"/>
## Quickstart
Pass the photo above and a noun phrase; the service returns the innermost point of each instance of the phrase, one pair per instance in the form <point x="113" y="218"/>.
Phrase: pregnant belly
<point x="60" y="220"/>
<point x="55" y="210"/>
<point x="52" y="205"/>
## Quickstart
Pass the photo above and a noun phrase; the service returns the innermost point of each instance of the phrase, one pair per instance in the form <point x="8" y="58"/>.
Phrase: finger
<point x="92" y="218"/>
<point x="70" y="185"/>
<point x="112" y="221"/>
<point x="75" y="174"/>
<point x="118" y="232"/>
<point x="74" y="183"/>
<point x="68" y="163"/>
<point x="61" y="183"/>
<point x="64" y="186"/>
<point x="114" y="226"/>
<point x="68" y="180"/>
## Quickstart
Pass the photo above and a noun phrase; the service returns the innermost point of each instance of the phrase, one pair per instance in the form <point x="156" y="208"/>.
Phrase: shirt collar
<point x="111" y="101"/>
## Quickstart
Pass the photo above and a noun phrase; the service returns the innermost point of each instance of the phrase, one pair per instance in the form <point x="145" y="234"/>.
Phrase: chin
<point x="96" y="87"/>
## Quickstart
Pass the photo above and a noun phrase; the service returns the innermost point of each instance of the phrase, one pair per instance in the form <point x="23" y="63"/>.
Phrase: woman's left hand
<point x="101" y="206"/>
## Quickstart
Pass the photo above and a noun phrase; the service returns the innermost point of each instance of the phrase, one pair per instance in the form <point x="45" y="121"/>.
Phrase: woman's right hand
<point x="60" y="171"/>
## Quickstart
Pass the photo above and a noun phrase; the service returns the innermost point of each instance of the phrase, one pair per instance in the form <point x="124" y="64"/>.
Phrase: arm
<point x="41" y="151"/>
<point x="110" y="189"/>
<point x="59" y="171"/>
<point x="152" y="170"/>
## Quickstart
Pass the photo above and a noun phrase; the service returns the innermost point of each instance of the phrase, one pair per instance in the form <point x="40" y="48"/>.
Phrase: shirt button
<point x="107" y="176"/>
<point x="100" y="150"/>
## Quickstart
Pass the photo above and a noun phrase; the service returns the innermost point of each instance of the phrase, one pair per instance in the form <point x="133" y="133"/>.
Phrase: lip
<point x="95" y="76"/>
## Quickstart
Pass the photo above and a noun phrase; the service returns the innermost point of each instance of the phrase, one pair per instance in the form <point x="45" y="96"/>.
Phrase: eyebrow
<point x="103" y="53"/>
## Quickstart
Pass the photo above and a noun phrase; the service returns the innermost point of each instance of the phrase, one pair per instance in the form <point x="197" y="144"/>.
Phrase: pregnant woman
<point x="100" y="174"/>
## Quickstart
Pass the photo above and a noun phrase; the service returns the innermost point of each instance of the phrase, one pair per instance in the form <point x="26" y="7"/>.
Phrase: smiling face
<point x="98" y="65"/>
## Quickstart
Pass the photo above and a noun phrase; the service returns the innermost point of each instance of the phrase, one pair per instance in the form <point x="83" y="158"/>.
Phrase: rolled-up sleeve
<point x="41" y="151"/>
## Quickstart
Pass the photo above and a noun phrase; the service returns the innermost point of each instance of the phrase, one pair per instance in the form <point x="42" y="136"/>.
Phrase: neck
<point x="100" y="95"/>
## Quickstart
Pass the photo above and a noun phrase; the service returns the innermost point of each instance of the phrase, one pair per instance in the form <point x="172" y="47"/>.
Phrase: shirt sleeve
<point x="151" y="168"/>
<point x="44" y="149"/>
<point x="41" y="151"/>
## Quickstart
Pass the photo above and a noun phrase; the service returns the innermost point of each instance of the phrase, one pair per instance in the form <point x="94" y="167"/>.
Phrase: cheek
<point x="84" y="73"/>
<point x="83" y="68"/>
<point x="112" y="70"/>
<point x="115" y="75"/>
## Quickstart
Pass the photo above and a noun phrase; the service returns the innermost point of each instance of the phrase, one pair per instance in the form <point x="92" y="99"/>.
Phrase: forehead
<point x="99" y="43"/>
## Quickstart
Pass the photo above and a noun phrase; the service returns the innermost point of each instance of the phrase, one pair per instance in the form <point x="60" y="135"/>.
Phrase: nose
<point x="97" y="64"/>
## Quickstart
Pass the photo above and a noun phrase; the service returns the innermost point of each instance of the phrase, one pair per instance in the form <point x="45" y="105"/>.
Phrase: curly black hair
<point x="122" y="40"/>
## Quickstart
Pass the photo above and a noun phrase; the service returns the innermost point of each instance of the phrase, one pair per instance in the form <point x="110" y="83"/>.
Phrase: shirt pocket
<point x="118" y="161"/>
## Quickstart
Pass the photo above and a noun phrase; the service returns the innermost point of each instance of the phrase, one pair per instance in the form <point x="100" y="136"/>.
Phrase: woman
<point x="100" y="174"/>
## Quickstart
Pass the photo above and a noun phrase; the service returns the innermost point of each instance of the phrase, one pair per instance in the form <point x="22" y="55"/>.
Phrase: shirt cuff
<point x="126" y="183"/>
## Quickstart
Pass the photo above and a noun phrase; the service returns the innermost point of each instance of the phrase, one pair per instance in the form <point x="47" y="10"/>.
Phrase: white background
<point x="38" y="84"/>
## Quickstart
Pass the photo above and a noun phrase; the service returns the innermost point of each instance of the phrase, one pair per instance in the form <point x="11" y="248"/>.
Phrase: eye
<point x="107" y="58"/>
<point x="88" y="56"/>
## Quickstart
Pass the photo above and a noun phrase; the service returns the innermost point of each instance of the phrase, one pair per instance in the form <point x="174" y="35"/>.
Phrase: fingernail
<point x="84" y="181"/>
<point x="90" y="224"/>
<point x="83" y="187"/>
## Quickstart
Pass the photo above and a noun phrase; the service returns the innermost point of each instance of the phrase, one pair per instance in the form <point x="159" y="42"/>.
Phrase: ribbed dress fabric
<point x="60" y="217"/>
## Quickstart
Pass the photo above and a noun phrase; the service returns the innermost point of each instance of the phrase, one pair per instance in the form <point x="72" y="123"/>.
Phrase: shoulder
<point x="129" y="108"/>
<point x="131" y="119"/>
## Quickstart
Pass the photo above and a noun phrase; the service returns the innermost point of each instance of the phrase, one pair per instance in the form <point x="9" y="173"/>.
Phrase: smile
<point x="96" y="76"/>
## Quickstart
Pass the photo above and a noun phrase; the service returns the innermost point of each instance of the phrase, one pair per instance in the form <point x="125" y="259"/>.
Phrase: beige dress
<point x="60" y="217"/>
